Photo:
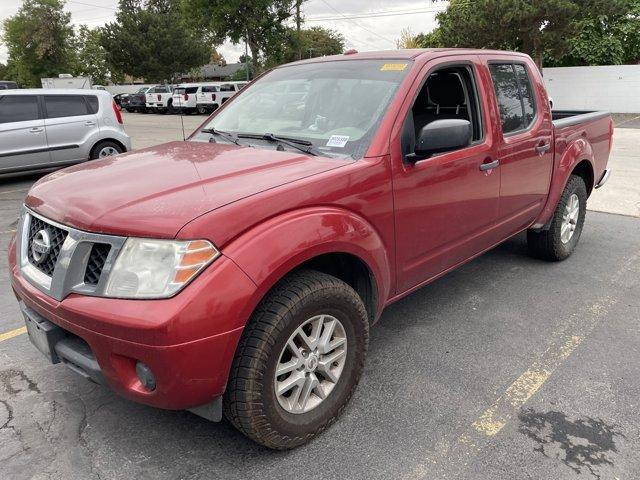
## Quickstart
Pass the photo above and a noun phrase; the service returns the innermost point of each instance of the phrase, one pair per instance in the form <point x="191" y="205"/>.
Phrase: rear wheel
<point x="298" y="361"/>
<point x="105" y="149"/>
<point x="561" y="239"/>
<point x="170" y="109"/>
<point x="202" y="110"/>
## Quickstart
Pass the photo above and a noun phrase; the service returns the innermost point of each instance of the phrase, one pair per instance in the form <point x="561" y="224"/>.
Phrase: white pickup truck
<point x="159" y="99"/>
<point x="229" y="89"/>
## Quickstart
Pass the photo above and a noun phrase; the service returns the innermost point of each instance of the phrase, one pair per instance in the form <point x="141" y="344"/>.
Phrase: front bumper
<point x="188" y="341"/>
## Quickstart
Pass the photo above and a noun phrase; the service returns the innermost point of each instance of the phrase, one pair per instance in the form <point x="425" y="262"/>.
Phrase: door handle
<point x="36" y="130"/>
<point x="543" y="148"/>
<point x="489" y="166"/>
<point x="89" y="123"/>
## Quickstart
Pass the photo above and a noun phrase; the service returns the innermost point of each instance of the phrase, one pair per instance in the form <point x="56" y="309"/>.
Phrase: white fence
<point x="615" y="88"/>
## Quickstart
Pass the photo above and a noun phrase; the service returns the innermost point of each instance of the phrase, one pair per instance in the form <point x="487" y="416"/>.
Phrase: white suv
<point x="159" y="99"/>
<point x="184" y="97"/>
<point x="46" y="129"/>
<point x="208" y="98"/>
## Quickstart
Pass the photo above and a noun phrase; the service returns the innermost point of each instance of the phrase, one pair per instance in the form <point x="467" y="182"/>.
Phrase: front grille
<point x="57" y="236"/>
<point x="97" y="259"/>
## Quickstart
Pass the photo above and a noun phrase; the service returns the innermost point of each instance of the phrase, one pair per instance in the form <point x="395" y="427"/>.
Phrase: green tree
<point x="259" y="22"/>
<point x="606" y="36"/>
<point x="40" y="41"/>
<point x="553" y="32"/>
<point x="312" y="42"/>
<point x="92" y="58"/>
<point x="151" y="39"/>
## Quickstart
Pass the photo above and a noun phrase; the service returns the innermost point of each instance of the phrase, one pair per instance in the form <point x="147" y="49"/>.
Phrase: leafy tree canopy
<point x="40" y="41"/>
<point x="151" y="39"/>
<point x="311" y="42"/>
<point x="259" y="22"/>
<point x="570" y="32"/>
<point x="92" y="59"/>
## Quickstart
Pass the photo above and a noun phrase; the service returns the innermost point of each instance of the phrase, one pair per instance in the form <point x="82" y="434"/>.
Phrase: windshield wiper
<point x="299" y="144"/>
<point x="225" y="135"/>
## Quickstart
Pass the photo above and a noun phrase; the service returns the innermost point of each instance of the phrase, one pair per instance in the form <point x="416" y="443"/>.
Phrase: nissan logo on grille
<point x="41" y="245"/>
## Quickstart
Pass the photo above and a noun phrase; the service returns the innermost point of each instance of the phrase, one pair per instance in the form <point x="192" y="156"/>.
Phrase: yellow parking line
<point x="12" y="333"/>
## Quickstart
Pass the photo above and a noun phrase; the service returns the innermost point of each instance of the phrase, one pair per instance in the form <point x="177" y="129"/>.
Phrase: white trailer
<point x="65" y="80"/>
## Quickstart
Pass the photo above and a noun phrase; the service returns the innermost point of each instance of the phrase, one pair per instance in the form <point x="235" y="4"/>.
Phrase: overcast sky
<point x="377" y="32"/>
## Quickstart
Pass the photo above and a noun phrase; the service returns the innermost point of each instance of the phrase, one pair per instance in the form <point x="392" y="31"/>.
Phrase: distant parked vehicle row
<point x="185" y="98"/>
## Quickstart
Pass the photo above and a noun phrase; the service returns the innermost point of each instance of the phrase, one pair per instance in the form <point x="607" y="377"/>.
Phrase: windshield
<point x="143" y="90"/>
<point x="336" y="106"/>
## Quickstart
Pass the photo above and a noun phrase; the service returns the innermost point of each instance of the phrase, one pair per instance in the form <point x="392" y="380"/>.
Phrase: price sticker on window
<point x="393" y="67"/>
<point x="338" y="141"/>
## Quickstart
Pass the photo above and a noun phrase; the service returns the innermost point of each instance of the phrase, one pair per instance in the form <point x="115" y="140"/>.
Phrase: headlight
<point x="157" y="268"/>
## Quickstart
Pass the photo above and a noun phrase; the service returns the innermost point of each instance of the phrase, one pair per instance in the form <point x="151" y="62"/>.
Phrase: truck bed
<point x="566" y="118"/>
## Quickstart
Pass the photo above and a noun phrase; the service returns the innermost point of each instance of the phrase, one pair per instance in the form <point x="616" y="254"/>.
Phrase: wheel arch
<point x="102" y="140"/>
<point x="578" y="158"/>
<point x="331" y="240"/>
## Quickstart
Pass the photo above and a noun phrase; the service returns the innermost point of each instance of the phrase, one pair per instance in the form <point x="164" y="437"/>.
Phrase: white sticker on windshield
<point x="337" y="141"/>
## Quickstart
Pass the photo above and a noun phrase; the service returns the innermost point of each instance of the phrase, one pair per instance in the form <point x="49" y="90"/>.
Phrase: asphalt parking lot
<point x="507" y="368"/>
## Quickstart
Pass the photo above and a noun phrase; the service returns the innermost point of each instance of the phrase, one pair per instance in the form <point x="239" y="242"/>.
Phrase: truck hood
<point x="154" y="192"/>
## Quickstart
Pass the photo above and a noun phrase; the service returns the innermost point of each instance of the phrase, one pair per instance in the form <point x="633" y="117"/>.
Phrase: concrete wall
<point x="615" y="88"/>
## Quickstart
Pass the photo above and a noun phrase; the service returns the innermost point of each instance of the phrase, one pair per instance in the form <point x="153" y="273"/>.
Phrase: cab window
<point x="447" y="93"/>
<point x="514" y="95"/>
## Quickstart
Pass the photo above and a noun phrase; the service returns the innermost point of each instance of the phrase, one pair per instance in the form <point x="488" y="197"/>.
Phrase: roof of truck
<point x="405" y="54"/>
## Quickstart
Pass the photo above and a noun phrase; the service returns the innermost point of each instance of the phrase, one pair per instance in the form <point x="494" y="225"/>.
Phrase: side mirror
<point x="441" y="136"/>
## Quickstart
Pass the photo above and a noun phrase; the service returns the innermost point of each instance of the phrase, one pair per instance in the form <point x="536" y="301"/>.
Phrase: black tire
<point x="202" y="110"/>
<point x="548" y="244"/>
<point x="95" y="151"/>
<point x="250" y="401"/>
<point x="130" y="110"/>
<point x="170" y="109"/>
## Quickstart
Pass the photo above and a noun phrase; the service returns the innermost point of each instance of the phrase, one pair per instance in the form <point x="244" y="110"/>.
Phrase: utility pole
<point x="246" y="53"/>
<point x="298" y="22"/>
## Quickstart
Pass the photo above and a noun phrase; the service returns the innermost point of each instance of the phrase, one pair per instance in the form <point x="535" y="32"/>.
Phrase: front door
<point x="446" y="205"/>
<point x="23" y="140"/>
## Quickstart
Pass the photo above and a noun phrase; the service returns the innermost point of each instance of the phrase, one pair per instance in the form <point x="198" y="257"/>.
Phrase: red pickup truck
<point x="239" y="272"/>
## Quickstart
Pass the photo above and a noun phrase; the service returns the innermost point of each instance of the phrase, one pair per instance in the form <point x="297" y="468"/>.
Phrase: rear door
<point x="23" y="140"/>
<point x="72" y="127"/>
<point x="525" y="153"/>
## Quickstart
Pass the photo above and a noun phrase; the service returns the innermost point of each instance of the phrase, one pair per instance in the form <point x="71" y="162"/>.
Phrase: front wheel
<point x="298" y="361"/>
<point x="561" y="239"/>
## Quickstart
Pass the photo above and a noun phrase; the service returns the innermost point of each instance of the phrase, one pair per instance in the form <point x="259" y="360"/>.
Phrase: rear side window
<point x="515" y="96"/>
<point x="58" y="106"/>
<point x="526" y="90"/>
<point x="227" y="88"/>
<point x="191" y="89"/>
<point x="18" y="108"/>
<point x="209" y="89"/>
<point x="93" y="103"/>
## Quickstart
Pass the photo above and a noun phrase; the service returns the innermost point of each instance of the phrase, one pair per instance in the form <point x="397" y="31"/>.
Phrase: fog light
<point x="145" y="375"/>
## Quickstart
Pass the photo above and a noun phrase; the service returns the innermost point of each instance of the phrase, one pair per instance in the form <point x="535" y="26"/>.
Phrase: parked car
<point x="245" y="280"/>
<point x="184" y="97"/>
<point x="7" y="85"/>
<point x="228" y="90"/>
<point x="46" y="129"/>
<point x="138" y="101"/>
<point x="122" y="100"/>
<point x="159" y="99"/>
<point x="208" y="99"/>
